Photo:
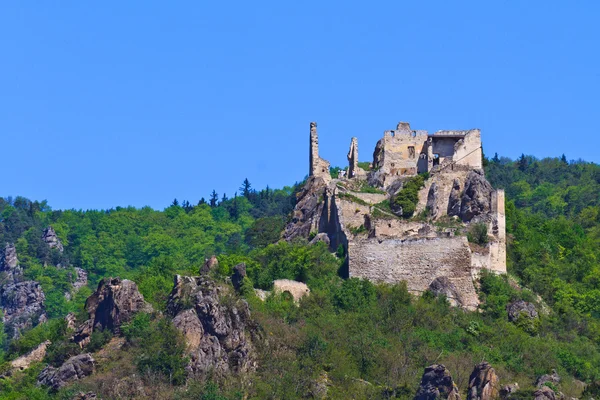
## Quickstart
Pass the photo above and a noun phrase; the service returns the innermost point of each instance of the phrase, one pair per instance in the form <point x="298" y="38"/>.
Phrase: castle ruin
<point x="430" y="250"/>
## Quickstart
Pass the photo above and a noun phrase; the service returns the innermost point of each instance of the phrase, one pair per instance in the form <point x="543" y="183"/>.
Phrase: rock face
<point x="115" y="302"/>
<point x="508" y="390"/>
<point x="214" y="332"/>
<point x="209" y="265"/>
<point x="85" y="396"/>
<point x="443" y="286"/>
<point x="23" y="305"/>
<point x="454" y="199"/>
<point x="437" y="383"/>
<point x="321" y="237"/>
<point x="239" y="273"/>
<point x="483" y="383"/>
<point x="476" y="198"/>
<point x="80" y="281"/>
<point x="432" y="200"/>
<point x="519" y="308"/>
<point x="75" y="368"/>
<point x="553" y="378"/>
<point x="296" y="289"/>
<point x="308" y="209"/>
<point x="545" y="393"/>
<point x="35" y="355"/>
<point x="52" y="239"/>
<point x="9" y="264"/>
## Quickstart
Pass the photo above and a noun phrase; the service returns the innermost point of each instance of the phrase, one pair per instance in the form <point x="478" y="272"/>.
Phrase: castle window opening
<point x="411" y="152"/>
<point x="436" y="159"/>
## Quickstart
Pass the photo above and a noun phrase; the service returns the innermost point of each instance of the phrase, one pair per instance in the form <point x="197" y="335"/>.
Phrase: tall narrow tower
<point x="314" y="149"/>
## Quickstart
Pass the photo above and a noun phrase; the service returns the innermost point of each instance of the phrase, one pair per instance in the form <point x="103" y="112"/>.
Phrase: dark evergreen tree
<point x="246" y="188"/>
<point x="214" y="198"/>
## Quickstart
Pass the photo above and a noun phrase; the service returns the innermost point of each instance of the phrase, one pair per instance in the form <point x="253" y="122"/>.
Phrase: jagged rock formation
<point x="85" y="396"/>
<point x="23" y="305"/>
<point x="35" y="355"/>
<point x="483" y="383"/>
<point x="114" y="303"/>
<point x="209" y="265"/>
<point x="215" y="332"/>
<point x="437" y="383"/>
<point x="545" y="393"/>
<point x="71" y="320"/>
<point x="10" y="271"/>
<point x="52" y="239"/>
<point x="321" y="237"/>
<point x="80" y="281"/>
<point x="552" y="378"/>
<point x="520" y="307"/>
<point x="239" y="273"/>
<point x="382" y="247"/>
<point x="75" y="368"/>
<point x="508" y="390"/>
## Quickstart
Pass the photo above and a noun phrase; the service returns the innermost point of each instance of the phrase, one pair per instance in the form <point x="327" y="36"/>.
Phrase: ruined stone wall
<point x="398" y="152"/>
<point x="468" y="151"/>
<point x="317" y="166"/>
<point x="418" y="262"/>
<point x="498" y="229"/>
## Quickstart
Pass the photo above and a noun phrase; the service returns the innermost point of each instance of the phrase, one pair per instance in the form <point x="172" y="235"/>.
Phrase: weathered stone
<point x="545" y="393"/>
<point x="552" y="378"/>
<point x="75" y="368"/>
<point x="454" y="199"/>
<point x="296" y="289"/>
<point x="508" y="390"/>
<point x="23" y="305"/>
<point x="71" y="320"/>
<point x="214" y="332"/>
<point x="432" y="201"/>
<point x="239" y="273"/>
<point x="35" y="355"/>
<point x="114" y="303"/>
<point x="520" y="307"/>
<point x="483" y="383"/>
<point x="209" y="265"/>
<point x="443" y="286"/>
<point x="437" y="383"/>
<point x="52" y="240"/>
<point x="261" y="294"/>
<point x="477" y="196"/>
<point x="10" y="271"/>
<point x="307" y="212"/>
<point x="321" y="238"/>
<point x="80" y="281"/>
<point x="318" y="167"/>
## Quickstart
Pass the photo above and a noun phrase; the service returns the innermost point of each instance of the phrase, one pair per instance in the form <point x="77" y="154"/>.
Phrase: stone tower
<point x="318" y="167"/>
<point x="353" y="158"/>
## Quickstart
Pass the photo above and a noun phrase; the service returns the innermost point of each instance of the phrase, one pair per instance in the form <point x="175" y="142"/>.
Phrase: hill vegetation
<point x="349" y="337"/>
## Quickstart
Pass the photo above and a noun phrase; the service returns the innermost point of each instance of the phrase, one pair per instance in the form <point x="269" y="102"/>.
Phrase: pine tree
<point x="175" y="203"/>
<point x="523" y="162"/>
<point x="202" y="201"/>
<point x="214" y="198"/>
<point x="246" y="188"/>
<point x="224" y="198"/>
<point x="496" y="159"/>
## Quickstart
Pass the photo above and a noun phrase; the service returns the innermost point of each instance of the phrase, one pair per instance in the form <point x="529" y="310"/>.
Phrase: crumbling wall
<point x="398" y="152"/>
<point x="318" y="167"/>
<point x="498" y="229"/>
<point x="418" y="262"/>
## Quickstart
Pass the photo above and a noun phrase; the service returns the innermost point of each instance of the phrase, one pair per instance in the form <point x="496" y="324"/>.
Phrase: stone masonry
<point x="430" y="252"/>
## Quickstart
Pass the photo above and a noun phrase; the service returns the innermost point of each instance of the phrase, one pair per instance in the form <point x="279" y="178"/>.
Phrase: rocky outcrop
<point x="552" y="378"/>
<point x="545" y="393"/>
<point x="115" y="302"/>
<point x="81" y="280"/>
<point x="71" y="320"/>
<point x="321" y="237"/>
<point x="508" y="390"/>
<point x="307" y="212"/>
<point x="35" y="355"/>
<point x="239" y="273"/>
<point x="433" y="200"/>
<point x="209" y="265"/>
<point x="437" y="383"/>
<point x="51" y="239"/>
<point x="10" y="271"/>
<point x="85" y="396"/>
<point x="476" y="199"/>
<point x="296" y="289"/>
<point x="483" y="383"/>
<point x="520" y="307"/>
<point x="215" y="332"/>
<point x="454" y="199"/>
<point x="23" y="305"/>
<point x="75" y="368"/>
<point x="443" y="286"/>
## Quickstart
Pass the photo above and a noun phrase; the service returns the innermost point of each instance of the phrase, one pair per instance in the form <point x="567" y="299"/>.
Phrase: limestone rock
<point x="545" y="393"/>
<point x="444" y="286"/>
<point x="81" y="280"/>
<point x="307" y="212"/>
<point x="261" y="294"/>
<point x="483" y="383"/>
<point x="553" y="378"/>
<point x="296" y="289"/>
<point x="23" y="305"/>
<point x="239" y="273"/>
<point x="9" y="265"/>
<point x="321" y="237"/>
<point x="35" y="355"/>
<point x="477" y="196"/>
<point x="71" y="320"/>
<point x="114" y="303"/>
<point x="209" y="265"/>
<point x="75" y="368"/>
<point x="215" y="332"/>
<point x="521" y="307"/>
<point x="508" y="390"/>
<point x="454" y="199"/>
<point x="52" y="239"/>
<point x="437" y="383"/>
<point x="432" y="200"/>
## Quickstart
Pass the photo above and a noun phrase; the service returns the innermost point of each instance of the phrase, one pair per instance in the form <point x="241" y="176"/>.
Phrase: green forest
<point x="364" y="341"/>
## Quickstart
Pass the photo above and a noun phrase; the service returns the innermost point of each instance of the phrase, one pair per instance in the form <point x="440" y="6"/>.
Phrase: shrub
<point x="355" y="294"/>
<point x="405" y="201"/>
<point x="478" y="234"/>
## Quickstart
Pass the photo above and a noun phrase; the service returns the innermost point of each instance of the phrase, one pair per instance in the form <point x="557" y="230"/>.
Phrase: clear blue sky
<point x="138" y="102"/>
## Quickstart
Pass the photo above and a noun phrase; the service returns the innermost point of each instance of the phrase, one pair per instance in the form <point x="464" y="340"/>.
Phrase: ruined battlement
<point x="430" y="252"/>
